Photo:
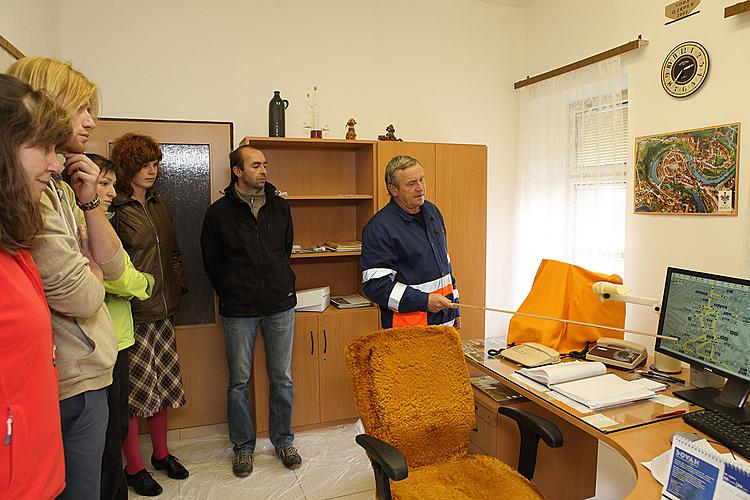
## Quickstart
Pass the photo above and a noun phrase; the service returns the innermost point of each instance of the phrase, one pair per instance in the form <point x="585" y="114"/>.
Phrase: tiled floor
<point x="334" y="467"/>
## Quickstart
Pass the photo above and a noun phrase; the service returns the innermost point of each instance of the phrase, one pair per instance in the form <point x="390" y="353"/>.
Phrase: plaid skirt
<point x="155" y="381"/>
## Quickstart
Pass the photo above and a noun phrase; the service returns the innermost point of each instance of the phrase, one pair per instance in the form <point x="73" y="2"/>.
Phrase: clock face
<point x="685" y="69"/>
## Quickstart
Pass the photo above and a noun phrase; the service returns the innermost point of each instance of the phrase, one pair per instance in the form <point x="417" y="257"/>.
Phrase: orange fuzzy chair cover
<point x="412" y="389"/>
<point x="562" y="290"/>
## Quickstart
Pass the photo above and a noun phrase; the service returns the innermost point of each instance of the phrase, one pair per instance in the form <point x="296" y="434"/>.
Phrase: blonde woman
<point x="75" y="251"/>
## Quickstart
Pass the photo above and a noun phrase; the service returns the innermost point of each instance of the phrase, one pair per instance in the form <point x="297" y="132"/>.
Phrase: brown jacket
<point x="148" y="235"/>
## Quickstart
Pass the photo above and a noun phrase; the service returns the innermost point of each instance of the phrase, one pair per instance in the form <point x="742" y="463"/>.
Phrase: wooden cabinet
<point x="322" y="392"/>
<point x="461" y="195"/>
<point x="456" y="178"/>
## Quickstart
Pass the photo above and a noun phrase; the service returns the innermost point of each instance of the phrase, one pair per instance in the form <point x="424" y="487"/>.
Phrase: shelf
<point x="329" y="197"/>
<point x="335" y="310"/>
<point x="303" y="143"/>
<point x="313" y="255"/>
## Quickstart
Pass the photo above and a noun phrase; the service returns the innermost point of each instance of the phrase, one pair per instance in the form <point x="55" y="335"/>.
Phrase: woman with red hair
<point x="144" y="223"/>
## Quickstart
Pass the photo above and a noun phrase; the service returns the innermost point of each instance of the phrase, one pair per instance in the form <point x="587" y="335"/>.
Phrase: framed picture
<point x="8" y="54"/>
<point x="690" y="172"/>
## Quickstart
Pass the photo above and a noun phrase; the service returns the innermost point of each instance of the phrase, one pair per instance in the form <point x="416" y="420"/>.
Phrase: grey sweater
<point x="84" y="335"/>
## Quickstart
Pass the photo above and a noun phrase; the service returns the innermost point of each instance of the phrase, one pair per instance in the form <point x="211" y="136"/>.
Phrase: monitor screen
<point x="710" y="316"/>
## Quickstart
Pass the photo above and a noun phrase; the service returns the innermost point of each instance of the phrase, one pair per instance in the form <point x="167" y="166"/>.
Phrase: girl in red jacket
<point x="31" y="453"/>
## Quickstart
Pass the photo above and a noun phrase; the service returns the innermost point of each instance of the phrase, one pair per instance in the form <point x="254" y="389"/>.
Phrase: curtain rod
<point x="10" y="48"/>
<point x="626" y="47"/>
<point x="737" y="8"/>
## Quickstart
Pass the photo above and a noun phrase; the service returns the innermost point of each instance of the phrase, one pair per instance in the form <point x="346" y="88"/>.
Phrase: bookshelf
<point x="331" y="191"/>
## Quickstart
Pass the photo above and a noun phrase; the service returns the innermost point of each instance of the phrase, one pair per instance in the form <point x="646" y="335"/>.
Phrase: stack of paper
<point x="603" y="391"/>
<point x="590" y="384"/>
<point x="349" y="301"/>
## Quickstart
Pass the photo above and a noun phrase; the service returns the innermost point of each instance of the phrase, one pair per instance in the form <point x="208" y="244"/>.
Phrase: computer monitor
<point x="710" y="316"/>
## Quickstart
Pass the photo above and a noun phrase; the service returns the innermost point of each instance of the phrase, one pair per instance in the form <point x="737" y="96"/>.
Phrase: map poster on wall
<point x="692" y="172"/>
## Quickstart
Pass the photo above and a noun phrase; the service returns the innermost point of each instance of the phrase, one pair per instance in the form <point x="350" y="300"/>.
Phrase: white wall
<point x="439" y="70"/>
<point x="558" y="34"/>
<point x="33" y="27"/>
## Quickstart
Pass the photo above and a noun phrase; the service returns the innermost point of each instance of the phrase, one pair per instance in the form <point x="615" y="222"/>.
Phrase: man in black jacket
<point x="247" y="242"/>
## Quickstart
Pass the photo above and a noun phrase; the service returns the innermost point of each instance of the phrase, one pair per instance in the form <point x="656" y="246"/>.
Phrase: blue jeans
<point x="278" y="337"/>
<point x="84" y="426"/>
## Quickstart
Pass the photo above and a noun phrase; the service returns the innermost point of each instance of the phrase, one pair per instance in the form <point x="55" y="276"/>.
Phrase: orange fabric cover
<point x="474" y="477"/>
<point x="562" y="290"/>
<point x="412" y="389"/>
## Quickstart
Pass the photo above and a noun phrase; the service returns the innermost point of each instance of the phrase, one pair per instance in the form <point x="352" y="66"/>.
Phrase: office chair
<point x="413" y="394"/>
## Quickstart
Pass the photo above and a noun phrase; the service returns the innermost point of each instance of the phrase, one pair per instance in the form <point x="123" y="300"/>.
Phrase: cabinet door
<point x="424" y="152"/>
<point x="461" y="196"/>
<point x="304" y="375"/>
<point x="335" y="330"/>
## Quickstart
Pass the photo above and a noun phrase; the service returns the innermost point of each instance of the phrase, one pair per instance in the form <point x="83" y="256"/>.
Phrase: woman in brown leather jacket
<point x="144" y="224"/>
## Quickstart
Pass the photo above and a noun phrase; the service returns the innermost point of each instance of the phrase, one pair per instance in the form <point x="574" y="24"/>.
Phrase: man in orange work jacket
<point x="405" y="264"/>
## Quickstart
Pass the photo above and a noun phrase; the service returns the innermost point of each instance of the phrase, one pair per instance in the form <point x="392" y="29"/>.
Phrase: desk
<point x="637" y="435"/>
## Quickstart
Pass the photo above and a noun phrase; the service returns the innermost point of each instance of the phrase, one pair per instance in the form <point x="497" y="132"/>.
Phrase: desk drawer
<point x="484" y="436"/>
<point x="487" y="415"/>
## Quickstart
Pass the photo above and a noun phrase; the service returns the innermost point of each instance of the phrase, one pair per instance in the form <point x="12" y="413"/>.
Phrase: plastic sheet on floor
<point x="333" y="465"/>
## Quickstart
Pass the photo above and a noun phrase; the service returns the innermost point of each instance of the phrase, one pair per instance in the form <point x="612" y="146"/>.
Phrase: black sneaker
<point x="242" y="464"/>
<point x="143" y="483"/>
<point x="289" y="457"/>
<point x="172" y="465"/>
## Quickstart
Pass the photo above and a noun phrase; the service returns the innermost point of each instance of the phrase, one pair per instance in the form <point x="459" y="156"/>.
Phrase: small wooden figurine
<point x="390" y="134"/>
<point x="350" y="133"/>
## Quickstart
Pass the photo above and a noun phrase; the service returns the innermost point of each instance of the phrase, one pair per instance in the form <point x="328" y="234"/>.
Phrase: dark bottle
<point x="276" y="108"/>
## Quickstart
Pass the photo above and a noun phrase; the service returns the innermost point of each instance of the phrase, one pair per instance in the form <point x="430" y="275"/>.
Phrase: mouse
<point x="690" y="436"/>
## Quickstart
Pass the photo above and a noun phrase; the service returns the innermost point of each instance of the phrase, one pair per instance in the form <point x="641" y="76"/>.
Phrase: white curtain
<point x="571" y="171"/>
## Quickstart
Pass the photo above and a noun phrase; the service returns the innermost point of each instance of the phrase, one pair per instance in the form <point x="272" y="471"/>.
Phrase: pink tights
<point x="157" y="426"/>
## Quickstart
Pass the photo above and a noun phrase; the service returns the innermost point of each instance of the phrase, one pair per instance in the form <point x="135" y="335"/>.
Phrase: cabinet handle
<point x="312" y="343"/>
<point x="325" y="342"/>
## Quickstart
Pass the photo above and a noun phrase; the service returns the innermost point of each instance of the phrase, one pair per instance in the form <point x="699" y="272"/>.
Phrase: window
<point x="596" y="183"/>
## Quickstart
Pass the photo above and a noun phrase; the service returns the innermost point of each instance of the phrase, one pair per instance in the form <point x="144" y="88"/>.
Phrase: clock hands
<point x="677" y="78"/>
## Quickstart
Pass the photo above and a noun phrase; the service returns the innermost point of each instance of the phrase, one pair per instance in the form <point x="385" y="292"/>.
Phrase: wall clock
<point x="685" y="69"/>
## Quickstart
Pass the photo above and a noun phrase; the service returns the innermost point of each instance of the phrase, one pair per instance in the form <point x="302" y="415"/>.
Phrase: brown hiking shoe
<point x="242" y="464"/>
<point x="289" y="457"/>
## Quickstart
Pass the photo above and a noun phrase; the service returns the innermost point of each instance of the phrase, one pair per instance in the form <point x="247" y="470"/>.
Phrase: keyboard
<point x="726" y="430"/>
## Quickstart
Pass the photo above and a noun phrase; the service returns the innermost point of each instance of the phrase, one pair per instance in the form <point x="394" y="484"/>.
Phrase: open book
<point x="563" y="372"/>
<point x="590" y="384"/>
